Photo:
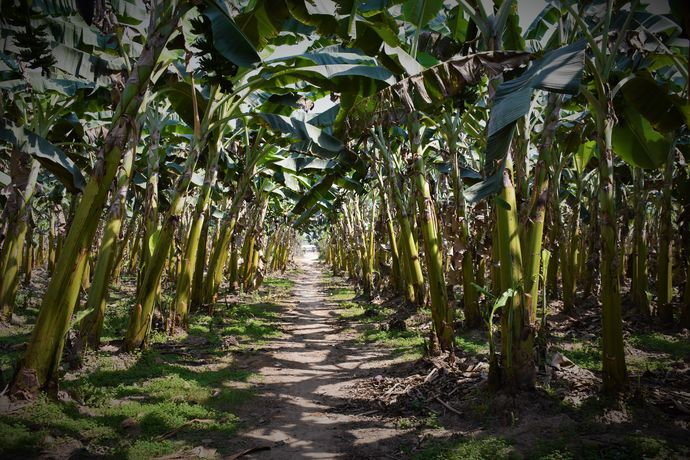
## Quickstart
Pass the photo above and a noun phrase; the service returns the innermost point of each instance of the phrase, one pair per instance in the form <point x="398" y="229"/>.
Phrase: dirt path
<point x="302" y="390"/>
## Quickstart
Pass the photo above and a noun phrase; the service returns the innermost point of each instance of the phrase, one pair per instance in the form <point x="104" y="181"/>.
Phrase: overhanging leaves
<point x="665" y="111"/>
<point x="558" y="71"/>
<point x="50" y="157"/>
<point x="432" y="86"/>
<point x="300" y="129"/>
<point x="228" y="39"/>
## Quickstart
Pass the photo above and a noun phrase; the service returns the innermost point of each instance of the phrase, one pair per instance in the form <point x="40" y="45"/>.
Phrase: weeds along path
<point x="301" y="393"/>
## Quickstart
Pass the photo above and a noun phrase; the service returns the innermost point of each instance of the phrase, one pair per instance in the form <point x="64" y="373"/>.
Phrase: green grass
<point x="407" y="343"/>
<point x="472" y="342"/>
<point x="117" y="316"/>
<point x="282" y="283"/>
<point x="338" y="292"/>
<point x="144" y="450"/>
<point x="362" y="312"/>
<point x="185" y="385"/>
<point x="560" y="447"/>
<point x="154" y="395"/>
<point x="469" y="449"/>
<point x="17" y="439"/>
<point x="574" y="446"/>
<point x="10" y="347"/>
<point x="660" y="343"/>
<point x="585" y="355"/>
<point x="253" y="323"/>
<point x="350" y="310"/>
<point x="666" y="350"/>
<point x="407" y="423"/>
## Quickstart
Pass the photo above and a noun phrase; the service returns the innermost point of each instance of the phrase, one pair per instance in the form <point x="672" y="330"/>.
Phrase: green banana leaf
<point x="583" y="154"/>
<point x="558" y="71"/>
<point x="638" y="143"/>
<point x="544" y="21"/>
<point x="421" y="12"/>
<point x="300" y="129"/>
<point x="263" y="21"/>
<point x="228" y="39"/>
<point x="665" y="111"/>
<point x="50" y="157"/>
<point x="429" y="88"/>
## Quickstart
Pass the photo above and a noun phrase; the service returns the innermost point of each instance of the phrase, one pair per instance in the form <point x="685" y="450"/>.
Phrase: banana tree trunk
<point x="220" y="251"/>
<point x="189" y="262"/>
<point x="613" y="355"/>
<point x="538" y="203"/>
<point x="570" y="263"/>
<point x="685" y="311"/>
<point x="397" y="275"/>
<point x="664" y="280"/>
<point x="470" y="295"/>
<point x="118" y="264"/>
<point x="24" y="172"/>
<point x="517" y="324"/>
<point x="639" y="285"/>
<point x="42" y="358"/>
<point x="28" y="257"/>
<point x="147" y="292"/>
<point x="198" y="281"/>
<point x="142" y="313"/>
<point x="234" y="260"/>
<point x="364" y="252"/>
<point x="41" y="252"/>
<point x="252" y="245"/>
<point x="92" y="324"/>
<point x="410" y="263"/>
<point x="442" y="314"/>
<point x="150" y="219"/>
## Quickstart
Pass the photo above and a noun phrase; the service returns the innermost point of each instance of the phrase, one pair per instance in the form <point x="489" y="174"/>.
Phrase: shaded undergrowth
<point x="177" y="395"/>
<point x="566" y="417"/>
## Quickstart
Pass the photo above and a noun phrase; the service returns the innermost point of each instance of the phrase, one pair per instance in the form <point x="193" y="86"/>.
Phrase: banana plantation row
<point x="437" y="150"/>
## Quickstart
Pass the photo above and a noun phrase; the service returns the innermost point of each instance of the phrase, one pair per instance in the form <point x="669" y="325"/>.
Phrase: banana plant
<point x="42" y="357"/>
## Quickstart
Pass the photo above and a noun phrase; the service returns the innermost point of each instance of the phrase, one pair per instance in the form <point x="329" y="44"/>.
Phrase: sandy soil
<point x="301" y="405"/>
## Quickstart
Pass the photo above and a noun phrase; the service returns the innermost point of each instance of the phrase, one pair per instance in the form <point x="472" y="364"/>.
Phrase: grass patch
<point x="338" y="293"/>
<point x="17" y="440"/>
<point x="407" y="343"/>
<point x="583" y="353"/>
<point x="350" y="310"/>
<point x="123" y="412"/>
<point x="362" y="312"/>
<point x="282" y="283"/>
<point x="666" y="350"/>
<point x="124" y="404"/>
<point x="661" y="343"/>
<point x="580" y="447"/>
<point x="472" y="342"/>
<point x="254" y="322"/>
<point x="142" y="450"/>
<point x="469" y="449"/>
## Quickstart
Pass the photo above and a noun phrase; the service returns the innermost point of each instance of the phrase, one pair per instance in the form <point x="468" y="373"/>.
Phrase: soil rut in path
<point x="304" y="380"/>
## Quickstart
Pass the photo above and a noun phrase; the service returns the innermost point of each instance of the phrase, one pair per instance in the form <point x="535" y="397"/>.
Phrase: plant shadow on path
<point x="306" y="407"/>
<point x="281" y="370"/>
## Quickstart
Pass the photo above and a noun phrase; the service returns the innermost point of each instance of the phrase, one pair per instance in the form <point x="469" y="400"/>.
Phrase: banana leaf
<point x="558" y="71"/>
<point x="228" y="39"/>
<point x="50" y="157"/>
<point x="429" y="88"/>
<point x="638" y="143"/>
